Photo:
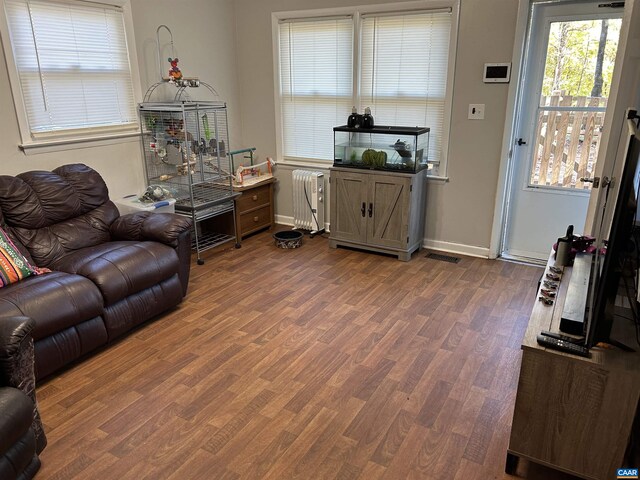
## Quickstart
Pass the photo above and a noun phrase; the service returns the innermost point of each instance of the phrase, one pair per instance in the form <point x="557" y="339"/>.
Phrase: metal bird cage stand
<point x="185" y="146"/>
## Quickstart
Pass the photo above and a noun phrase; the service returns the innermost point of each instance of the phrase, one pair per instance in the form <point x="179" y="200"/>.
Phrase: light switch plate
<point x="476" y="111"/>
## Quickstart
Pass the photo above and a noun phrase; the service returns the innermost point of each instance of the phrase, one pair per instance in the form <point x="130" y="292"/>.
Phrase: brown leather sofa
<point x="109" y="274"/>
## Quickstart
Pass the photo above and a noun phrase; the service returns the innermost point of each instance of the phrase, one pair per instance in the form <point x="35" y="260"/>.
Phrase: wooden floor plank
<point x="311" y="363"/>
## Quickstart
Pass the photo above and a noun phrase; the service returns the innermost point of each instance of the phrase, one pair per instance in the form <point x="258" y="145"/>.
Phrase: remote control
<point x="563" y="346"/>
<point x="559" y="336"/>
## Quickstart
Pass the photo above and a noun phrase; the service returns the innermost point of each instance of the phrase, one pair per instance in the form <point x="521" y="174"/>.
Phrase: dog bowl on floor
<point x="288" y="239"/>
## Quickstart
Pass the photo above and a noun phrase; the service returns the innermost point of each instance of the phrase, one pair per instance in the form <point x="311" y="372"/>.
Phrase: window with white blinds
<point x="403" y="72"/>
<point x="402" y="65"/>
<point x="316" y="84"/>
<point x="73" y="65"/>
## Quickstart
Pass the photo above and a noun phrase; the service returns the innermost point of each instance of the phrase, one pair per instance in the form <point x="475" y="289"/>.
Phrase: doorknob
<point x="521" y="142"/>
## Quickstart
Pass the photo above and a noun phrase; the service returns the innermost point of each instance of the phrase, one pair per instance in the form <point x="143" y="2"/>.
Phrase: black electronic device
<point x="613" y="272"/>
<point x="564" y="338"/>
<point x="574" y="312"/>
<point x="561" y="345"/>
<point x="496" y="73"/>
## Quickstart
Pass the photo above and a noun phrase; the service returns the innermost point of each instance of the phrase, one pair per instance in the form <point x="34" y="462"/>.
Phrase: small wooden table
<point x="573" y="414"/>
<point x="254" y="208"/>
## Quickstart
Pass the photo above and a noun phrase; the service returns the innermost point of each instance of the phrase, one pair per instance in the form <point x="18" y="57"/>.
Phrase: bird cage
<point x="185" y="146"/>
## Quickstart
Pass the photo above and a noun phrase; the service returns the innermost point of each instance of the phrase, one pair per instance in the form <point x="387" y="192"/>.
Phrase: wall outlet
<point x="476" y="111"/>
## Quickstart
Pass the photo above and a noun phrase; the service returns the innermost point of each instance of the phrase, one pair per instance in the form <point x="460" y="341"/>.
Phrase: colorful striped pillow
<point x="13" y="266"/>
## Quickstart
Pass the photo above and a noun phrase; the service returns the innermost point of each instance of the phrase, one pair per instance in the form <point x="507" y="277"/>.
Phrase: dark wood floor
<point x="310" y="363"/>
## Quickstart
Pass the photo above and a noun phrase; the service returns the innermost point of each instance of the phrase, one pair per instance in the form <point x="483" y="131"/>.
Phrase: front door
<point x="567" y="75"/>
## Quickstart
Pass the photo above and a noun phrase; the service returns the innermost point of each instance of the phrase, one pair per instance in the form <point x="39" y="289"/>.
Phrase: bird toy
<point x="174" y="74"/>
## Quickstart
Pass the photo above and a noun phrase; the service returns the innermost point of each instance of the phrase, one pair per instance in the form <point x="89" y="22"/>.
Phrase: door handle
<point x="370" y="210"/>
<point x="521" y="142"/>
<point x="363" y="208"/>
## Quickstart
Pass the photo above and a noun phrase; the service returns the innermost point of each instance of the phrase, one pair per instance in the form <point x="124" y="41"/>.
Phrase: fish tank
<point x="390" y="148"/>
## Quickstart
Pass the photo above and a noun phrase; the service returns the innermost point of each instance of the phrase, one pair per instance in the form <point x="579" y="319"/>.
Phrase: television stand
<point x="573" y="414"/>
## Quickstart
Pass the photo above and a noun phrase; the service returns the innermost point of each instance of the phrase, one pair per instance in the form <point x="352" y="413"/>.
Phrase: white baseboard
<point x="526" y="256"/>
<point x="284" y="220"/>
<point x="438" y="245"/>
<point x="459" y="248"/>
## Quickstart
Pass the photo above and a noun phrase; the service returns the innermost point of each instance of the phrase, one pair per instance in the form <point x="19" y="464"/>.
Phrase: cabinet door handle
<point x="370" y="210"/>
<point x="255" y="219"/>
<point x="254" y="198"/>
<point x="363" y="208"/>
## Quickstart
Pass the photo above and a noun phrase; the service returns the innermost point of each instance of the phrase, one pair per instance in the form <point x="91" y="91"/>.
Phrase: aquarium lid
<point x="381" y="129"/>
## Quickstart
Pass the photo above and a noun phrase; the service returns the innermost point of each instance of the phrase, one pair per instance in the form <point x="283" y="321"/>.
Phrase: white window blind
<point x="403" y="72"/>
<point x="73" y="65"/>
<point x="316" y="84"/>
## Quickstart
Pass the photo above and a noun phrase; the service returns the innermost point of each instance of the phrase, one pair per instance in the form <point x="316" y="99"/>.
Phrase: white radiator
<point x="308" y="200"/>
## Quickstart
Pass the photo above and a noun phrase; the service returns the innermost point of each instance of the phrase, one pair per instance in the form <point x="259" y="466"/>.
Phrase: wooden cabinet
<point x="573" y="414"/>
<point x="378" y="211"/>
<point x="254" y="208"/>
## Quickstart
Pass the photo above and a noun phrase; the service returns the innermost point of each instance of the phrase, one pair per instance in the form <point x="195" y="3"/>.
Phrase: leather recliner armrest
<point x="17" y="365"/>
<point x="160" y="227"/>
<point x="13" y="332"/>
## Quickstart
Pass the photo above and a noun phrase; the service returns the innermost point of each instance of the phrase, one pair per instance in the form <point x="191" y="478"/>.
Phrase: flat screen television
<point x="614" y="273"/>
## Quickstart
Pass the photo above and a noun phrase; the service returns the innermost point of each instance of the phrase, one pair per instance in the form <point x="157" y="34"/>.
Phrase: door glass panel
<point x="575" y="88"/>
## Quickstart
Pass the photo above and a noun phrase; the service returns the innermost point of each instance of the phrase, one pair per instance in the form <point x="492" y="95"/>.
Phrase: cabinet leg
<point x="511" y="464"/>
<point x="404" y="256"/>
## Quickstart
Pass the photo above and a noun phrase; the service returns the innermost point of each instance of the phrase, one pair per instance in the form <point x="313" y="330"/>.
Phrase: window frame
<point x="56" y="141"/>
<point x="356" y="12"/>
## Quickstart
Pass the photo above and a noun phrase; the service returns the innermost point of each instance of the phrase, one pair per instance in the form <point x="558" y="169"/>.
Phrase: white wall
<point x="204" y="37"/>
<point x="227" y="43"/>
<point x="204" y="41"/>
<point x="460" y="212"/>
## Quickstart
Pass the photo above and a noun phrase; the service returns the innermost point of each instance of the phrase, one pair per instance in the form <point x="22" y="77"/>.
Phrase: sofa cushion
<point x="54" y="300"/>
<point x="54" y="213"/>
<point x="40" y="199"/>
<point x="63" y="347"/>
<point x="120" y="269"/>
<point x="140" y="307"/>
